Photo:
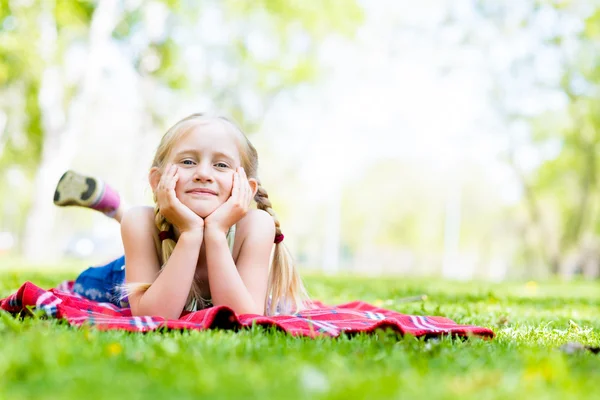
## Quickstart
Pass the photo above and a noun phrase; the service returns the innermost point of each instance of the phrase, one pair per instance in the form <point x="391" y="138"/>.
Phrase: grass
<point x="46" y="359"/>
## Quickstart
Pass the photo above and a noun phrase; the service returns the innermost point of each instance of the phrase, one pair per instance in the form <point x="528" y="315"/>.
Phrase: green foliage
<point x="20" y="71"/>
<point x="161" y="60"/>
<point x="23" y="149"/>
<point x="171" y="70"/>
<point x="279" y="22"/>
<point x="531" y="321"/>
<point x="21" y="66"/>
<point x="20" y="62"/>
<point x="128" y="24"/>
<point x="73" y="16"/>
<point x="319" y="19"/>
<point x="569" y="181"/>
<point x="562" y="191"/>
<point x="592" y="26"/>
<point x="19" y="59"/>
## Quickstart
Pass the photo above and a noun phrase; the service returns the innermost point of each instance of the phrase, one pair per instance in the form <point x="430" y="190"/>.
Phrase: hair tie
<point x="279" y="238"/>
<point x="164" y="235"/>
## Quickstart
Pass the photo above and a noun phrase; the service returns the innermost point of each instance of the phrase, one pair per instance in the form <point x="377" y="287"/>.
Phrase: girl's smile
<point x="202" y="192"/>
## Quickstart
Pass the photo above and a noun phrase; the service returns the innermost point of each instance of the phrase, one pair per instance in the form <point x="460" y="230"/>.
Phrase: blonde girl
<point x="201" y="245"/>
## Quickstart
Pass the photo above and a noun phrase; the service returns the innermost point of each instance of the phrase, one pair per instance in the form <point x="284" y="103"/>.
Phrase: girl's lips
<point x="202" y="191"/>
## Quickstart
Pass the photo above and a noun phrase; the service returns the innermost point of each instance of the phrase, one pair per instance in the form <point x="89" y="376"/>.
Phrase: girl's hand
<point x="178" y="214"/>
<point x="235" y="208"/>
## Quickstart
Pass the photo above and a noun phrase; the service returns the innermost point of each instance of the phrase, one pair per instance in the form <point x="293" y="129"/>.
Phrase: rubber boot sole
<point x="74" y="189"/>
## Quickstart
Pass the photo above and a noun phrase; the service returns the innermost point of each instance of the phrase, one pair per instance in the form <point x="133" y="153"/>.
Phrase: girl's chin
<point x="202" y="207"/>
<point x="203" y="212"/>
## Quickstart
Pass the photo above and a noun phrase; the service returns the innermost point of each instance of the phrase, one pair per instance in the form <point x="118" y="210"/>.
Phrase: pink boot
<point x="74" y="189"/>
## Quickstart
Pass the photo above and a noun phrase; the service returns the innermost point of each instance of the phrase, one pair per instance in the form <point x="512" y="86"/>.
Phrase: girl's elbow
<point x="150" y="310"/>
<point x="161" y="314"/>
<point x="257" y="312"/>
<point x="244" y="308"/>
<point x="250" y="312"/>
<point x="253" y="309"/>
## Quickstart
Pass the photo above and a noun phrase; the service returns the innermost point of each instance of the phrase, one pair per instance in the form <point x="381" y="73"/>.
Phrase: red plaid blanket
<point x="349" y="318"/>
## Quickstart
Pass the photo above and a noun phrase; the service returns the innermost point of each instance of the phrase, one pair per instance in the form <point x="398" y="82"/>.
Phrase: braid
<point x="167" y="245"/>
<point x="285" y="288"/>
<point x="263" y="203"/>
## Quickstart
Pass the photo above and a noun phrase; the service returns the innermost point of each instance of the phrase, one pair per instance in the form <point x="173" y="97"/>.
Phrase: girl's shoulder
<point x="255" y="231"/>
<point x="143" y="214"/>
<point x="140" y="220"/>
<point x="257" y="224"/>
<point x="138" y="225"/>
<point x="256" y="219"/>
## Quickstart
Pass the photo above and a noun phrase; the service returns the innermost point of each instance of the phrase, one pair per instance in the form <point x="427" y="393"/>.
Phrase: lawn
<point x="45" y="359"/>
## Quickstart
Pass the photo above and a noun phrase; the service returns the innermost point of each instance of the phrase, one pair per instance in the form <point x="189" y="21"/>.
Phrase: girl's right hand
<point x="177" y="213"/>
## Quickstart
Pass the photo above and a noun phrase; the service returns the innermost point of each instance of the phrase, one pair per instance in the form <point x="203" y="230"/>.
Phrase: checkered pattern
<point x="62" y="302"/>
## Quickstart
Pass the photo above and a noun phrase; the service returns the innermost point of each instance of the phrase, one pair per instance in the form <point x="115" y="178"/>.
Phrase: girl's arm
<point x="241" y="286"/>
<point x="169" y="290"/>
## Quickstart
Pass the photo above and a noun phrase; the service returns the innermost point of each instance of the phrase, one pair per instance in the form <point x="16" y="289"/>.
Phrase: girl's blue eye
<point x="187" y="162"/>
<point x="221" y="165"/>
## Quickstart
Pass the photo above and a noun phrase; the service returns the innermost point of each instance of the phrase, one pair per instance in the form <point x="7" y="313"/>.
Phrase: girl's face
<point x="206" y="158"/>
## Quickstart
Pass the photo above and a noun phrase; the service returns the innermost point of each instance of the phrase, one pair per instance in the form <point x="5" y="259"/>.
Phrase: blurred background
<point x="439" y="138"/>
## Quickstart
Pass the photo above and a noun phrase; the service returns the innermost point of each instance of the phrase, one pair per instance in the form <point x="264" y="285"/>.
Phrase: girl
<point x="200" y="245"/>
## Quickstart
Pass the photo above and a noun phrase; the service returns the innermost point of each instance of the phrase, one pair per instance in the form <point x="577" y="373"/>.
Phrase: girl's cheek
<point x="179" y="184"/>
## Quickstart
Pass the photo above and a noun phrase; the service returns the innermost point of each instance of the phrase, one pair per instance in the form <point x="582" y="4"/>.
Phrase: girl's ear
<point x="253" y="186"/>
<point x="154" y="178"/>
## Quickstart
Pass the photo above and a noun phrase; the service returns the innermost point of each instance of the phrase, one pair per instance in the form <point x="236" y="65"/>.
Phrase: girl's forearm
<point x="226" y="286"/>
<point x="169" y="292"/>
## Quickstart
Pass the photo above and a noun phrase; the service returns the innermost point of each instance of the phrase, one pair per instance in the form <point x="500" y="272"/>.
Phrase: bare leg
<point x="74" y="189"/>
<point x="118" y="215"/>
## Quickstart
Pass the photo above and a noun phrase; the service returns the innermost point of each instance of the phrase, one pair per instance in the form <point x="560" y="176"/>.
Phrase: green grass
<point x="45" y="359"/>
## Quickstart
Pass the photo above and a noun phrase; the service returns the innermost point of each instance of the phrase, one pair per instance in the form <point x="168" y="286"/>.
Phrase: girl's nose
<point x="203" y="173"/>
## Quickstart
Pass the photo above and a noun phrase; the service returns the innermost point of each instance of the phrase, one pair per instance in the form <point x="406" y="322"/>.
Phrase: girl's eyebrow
<point x="195" y="152"/>
<point x="224" y="155"/>
<point x="185" y="152"/>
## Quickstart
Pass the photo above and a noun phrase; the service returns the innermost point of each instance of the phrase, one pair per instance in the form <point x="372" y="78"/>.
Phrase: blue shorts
<point x="101" y="283"/>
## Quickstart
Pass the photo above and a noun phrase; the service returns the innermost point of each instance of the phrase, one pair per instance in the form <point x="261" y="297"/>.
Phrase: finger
<point x="170" y="178"/>
<point x="246" y="184"/>
<point x="235" y="190"/>
<point x="243" y="183"/>
<point x="166" y="176"/>
<point x="174" y="178"/>
<point x="243" y="176"/>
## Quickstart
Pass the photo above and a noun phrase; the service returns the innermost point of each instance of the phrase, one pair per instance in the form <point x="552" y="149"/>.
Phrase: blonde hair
<point x="285" y="290"/>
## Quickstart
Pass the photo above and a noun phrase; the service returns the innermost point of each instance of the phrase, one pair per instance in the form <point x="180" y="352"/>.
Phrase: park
<point x="423" y="222"/>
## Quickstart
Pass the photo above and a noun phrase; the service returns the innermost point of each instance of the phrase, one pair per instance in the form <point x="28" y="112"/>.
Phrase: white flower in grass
<point x="314" y="381"/>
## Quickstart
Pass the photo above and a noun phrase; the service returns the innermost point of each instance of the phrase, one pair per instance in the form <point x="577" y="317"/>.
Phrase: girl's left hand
<point x="235" y="208"/>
